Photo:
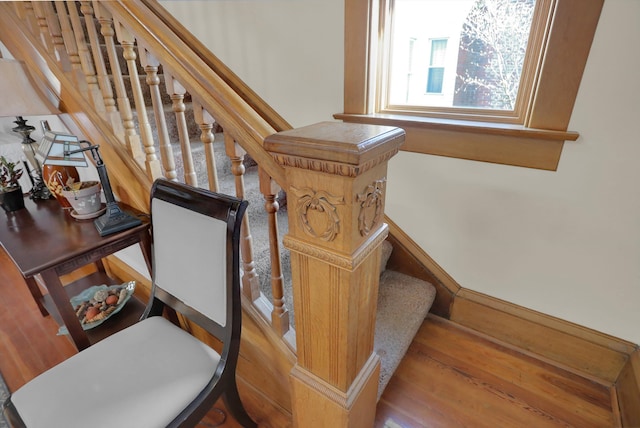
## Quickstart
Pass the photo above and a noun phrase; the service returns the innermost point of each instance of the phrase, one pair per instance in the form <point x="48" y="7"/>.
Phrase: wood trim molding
<point x="508" y="145"/>
<point x="357" y="15"/>
<point x="628" y="391"/>
<point x="564" y="61"/>
<point x="562" y="343"/>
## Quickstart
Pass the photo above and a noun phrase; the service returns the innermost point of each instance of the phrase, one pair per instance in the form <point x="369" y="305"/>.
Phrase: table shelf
<point x="128" y="315"/>
<point x="45" y="243"/>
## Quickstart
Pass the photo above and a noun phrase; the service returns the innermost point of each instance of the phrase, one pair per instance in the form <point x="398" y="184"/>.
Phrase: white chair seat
<point x="154" y="371"/>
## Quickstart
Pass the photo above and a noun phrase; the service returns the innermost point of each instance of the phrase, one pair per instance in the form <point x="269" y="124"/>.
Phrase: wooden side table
<point x="45" y="242"/>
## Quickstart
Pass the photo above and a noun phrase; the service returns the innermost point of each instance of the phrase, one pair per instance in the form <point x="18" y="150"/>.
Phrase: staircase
<point x="403" y="301"/>
<point x="141" y="143"/>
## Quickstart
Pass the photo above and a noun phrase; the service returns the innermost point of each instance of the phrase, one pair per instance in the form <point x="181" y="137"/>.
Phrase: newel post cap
<point x="352" y="144"/>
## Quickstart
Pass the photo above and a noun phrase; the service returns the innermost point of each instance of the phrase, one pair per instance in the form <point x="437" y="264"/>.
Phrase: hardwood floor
<point x="450" y="377"/>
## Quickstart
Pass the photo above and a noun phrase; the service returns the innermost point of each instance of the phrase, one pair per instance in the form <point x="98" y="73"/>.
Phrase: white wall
<point x="289" y="51"/>
<point x="564" y="243"/>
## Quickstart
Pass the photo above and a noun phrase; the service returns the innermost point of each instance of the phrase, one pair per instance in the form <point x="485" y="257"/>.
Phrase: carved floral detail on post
<point x="370" y="206"/>
<point x="317" y="213"/>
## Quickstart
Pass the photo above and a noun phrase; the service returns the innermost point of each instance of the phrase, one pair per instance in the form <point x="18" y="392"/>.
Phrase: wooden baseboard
<point x="585" y="351"/>
<point x="264" y="411"/>
<point x="628" y="391"/>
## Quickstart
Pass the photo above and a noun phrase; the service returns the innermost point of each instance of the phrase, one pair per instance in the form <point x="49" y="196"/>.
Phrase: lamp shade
<point x="55" y="147"/>
<point x="20" y="97"/>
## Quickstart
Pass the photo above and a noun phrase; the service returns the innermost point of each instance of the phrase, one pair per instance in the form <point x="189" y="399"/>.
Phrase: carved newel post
<point x="336" y="177"/>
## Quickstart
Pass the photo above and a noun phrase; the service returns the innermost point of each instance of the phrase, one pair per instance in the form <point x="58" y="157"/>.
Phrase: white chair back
<point x="189" y="249"/>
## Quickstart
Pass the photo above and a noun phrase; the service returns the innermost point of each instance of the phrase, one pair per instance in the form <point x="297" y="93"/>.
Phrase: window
<point x="477" y="65"/>
<point x="516" y="115"/>
<point x="435" y="76"/>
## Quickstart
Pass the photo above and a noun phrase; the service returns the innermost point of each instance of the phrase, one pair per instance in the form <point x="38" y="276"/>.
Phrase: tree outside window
<point x="489" y="40"/>
<point x="493" y="45"/>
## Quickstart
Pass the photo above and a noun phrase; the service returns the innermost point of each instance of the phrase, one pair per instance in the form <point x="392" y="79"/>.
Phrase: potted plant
<point x="11" y="197"/>
<point x="84" y="197"/>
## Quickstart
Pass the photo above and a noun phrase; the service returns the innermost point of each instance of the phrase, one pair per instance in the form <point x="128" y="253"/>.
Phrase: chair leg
<point x="234" y="405"/>
<point x="11" y="415"/>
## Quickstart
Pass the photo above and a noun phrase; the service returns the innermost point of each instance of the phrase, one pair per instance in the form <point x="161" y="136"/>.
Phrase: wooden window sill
<point x="482" y="141"/>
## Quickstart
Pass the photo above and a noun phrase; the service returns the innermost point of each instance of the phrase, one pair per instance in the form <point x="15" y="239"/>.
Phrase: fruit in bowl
<point x="102" y="304"/>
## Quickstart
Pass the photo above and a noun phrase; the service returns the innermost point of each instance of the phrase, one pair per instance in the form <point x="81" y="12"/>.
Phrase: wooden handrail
<point x="233" y="113"/>
<point x="239" y="87"/>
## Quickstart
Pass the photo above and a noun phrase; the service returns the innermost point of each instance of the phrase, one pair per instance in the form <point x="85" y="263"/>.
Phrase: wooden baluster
<point x="279" y="315"/>
<point x="56" y="35"/>
<point x="151" y="64"/>
<point x="131" y="137"/>
<point x="93" y="90"/>
<point x="336" y="174"/>
<point x="206" y="122"/>
<point x="177" y="91"/>
<point x="113" y="115"/>
<point x="127" y="41"/>
<point x="43" y="26"/>
<point x="250" y="280"/>
<point x="24" y="10"/>
<point x="71" y="48"/>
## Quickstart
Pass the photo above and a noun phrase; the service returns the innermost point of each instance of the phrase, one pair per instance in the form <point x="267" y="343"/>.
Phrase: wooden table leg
<point x="37" y="294"/>
<point x="99" y="265"/>
<point x="63" y="305"/>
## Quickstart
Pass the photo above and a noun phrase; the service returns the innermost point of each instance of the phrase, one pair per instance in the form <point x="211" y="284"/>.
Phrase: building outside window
<point x="435" y="76"/>
<point x="457" y="53"/>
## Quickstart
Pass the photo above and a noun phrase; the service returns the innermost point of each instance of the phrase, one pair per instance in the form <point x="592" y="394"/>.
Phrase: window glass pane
<point x="434" y="82"/>
<point x="458" y="53"/>
<point x="436" y="66"/>
<point x="438" y="49"/>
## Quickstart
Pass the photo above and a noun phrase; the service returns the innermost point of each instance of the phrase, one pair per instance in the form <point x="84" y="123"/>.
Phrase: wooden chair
<point x="155" y="374"/>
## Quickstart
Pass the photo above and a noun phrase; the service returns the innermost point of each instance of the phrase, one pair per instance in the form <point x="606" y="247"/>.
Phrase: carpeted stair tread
<point x="403" y="303"/>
